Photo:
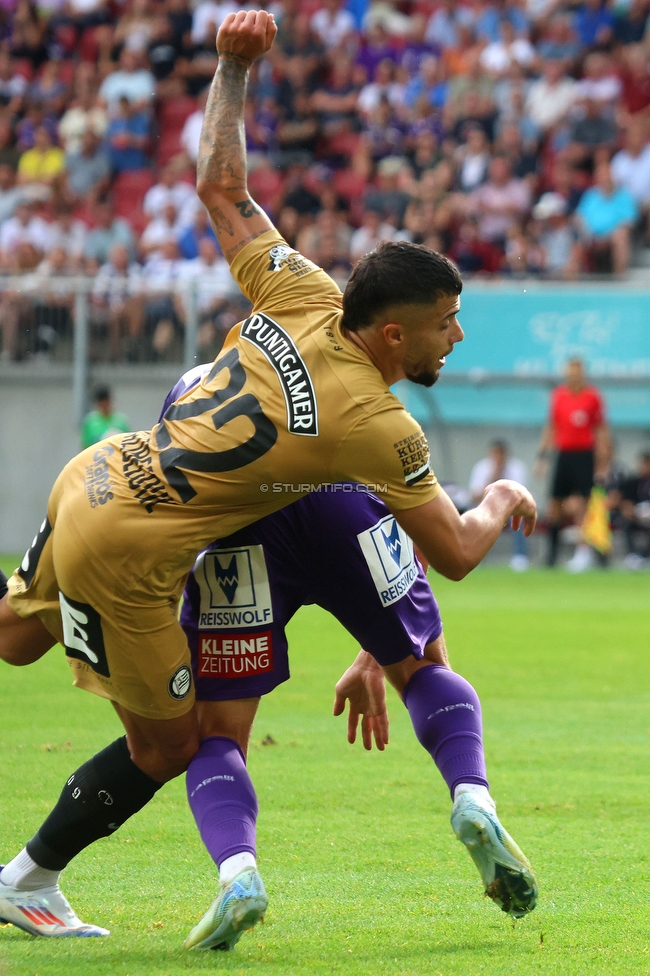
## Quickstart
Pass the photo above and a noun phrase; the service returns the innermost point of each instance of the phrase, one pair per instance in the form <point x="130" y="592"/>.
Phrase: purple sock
<point x="222" y="798"/>
<point x="446" y="715"/>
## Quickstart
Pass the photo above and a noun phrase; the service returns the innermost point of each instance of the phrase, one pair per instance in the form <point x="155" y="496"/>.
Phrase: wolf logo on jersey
<point x="234" y="586"/>
<point x="390" y="557"/>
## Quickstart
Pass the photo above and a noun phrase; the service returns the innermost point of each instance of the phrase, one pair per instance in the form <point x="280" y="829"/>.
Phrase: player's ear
<point x="393" y="334"/>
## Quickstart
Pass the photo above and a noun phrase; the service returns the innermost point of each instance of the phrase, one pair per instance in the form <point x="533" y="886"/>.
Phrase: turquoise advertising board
<point x="527" y="333"/>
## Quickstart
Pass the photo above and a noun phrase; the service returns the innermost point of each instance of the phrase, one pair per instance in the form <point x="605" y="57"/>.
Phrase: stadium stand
<point x="484" y="128"/>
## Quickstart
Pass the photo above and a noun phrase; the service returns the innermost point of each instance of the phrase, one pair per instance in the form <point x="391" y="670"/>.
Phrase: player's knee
<point x="168" y="759"/>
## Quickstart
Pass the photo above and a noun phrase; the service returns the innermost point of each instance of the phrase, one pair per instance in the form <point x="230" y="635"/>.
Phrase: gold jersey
<point x="289" y="403"/>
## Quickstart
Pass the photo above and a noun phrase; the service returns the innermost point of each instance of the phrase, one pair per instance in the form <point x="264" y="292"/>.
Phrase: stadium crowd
<point x="513" y="135"/>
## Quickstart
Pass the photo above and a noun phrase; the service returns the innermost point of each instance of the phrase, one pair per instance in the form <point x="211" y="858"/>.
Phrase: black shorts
<point x="574" y="474"/>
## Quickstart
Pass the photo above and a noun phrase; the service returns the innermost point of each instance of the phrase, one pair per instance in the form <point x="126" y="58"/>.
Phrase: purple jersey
<point x="338" y="547"/>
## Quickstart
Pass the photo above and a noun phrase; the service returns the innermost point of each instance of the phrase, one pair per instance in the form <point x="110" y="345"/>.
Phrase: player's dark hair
<point x="499" y="445"/>
<point x="397" y="273"/>
<point x="102" y="393"/>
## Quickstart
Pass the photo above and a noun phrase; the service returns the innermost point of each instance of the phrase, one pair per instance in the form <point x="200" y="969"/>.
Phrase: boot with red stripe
<point x="45" y="911"/>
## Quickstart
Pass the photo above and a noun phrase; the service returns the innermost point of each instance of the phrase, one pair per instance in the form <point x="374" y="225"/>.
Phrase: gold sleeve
<point x="388" y="451"/>
<point x="274" y="275"/>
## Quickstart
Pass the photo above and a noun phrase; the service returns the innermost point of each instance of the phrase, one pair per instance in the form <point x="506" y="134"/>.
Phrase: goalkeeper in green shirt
<point x="102" y="421"/>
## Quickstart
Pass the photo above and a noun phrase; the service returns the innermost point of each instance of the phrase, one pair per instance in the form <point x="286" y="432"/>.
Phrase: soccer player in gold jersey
<point x="299" y="396"/>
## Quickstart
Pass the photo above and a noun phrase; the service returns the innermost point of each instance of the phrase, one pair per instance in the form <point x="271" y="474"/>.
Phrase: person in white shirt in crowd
<point x="84" y="115"/>
<point x="631" y="168"/>
<point x="191" y="132"/>
<point x="23" y="228"/>
<point x="332" y="24"/>
<point x="498" y="57"/>
<point x="383" y="86"/>
<point x="557" y="237"/>
<point x="117" y="302"/>
<point x="69" y="234"/>
<point x="209" y="12"/>
<point x="159" y="231"/>
<point x="500" y="464"/>
<point x="600" y="83"/>
<point x="10" y="194"/>
<point x="373" y="231"/>
<point x="170" y="189"/>
<point x="209" y="277"/>
<point x="161" y="276"/>
<point x="474" y="157"/>
<point x="130" y="81"/>
<point x="552" y="96"/>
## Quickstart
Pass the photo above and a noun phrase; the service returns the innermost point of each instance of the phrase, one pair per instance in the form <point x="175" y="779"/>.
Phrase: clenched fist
<point x="247" y="34"/>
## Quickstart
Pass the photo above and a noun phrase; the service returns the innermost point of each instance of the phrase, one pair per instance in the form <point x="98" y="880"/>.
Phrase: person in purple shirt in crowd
<point x="339" y="547"/>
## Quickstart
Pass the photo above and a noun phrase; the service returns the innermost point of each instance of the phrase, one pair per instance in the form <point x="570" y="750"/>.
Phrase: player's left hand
<point x="363" y="685"/>
<point x="248" y="34"/>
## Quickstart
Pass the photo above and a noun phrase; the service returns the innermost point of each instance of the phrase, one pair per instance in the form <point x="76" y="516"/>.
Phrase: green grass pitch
<point x="364" y="875"/>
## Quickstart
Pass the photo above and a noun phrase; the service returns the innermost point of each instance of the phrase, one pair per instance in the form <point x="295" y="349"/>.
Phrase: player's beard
<point x="423" y="377"/>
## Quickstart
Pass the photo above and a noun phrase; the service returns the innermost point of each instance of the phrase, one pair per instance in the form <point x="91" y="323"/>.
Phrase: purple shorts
<point x="340" y="548"/>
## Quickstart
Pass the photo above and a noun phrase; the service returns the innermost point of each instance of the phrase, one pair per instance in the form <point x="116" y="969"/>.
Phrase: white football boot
<point x="507" y="875"/>
<point x="45" y="911"/>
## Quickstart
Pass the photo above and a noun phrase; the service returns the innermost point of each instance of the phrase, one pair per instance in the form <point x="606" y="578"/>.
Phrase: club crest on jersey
<point x="234" y="588"/>
<point x="389" y="554"/>
<point x="297" y="386"/>
<point x="278" y="254"/>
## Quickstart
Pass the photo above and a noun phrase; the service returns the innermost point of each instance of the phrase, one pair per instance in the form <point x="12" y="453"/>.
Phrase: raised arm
<point x="221" y="166"/>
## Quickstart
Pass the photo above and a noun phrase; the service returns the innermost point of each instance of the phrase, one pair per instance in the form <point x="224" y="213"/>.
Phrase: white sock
<point x="231" y="867"/>
<point x="26" y="875"/>
<point x="480" y="792"/>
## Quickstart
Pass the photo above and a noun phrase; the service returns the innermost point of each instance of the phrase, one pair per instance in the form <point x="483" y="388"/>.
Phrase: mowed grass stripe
<point x="364" y="874"/>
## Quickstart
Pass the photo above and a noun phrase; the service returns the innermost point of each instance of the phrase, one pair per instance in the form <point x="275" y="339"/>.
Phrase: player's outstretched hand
<point x="248" y="34"/>
<point x="363" y="685"/>
<point x="524" y="505"/>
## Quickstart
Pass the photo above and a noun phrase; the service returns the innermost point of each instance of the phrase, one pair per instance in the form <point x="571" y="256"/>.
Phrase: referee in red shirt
<point x="577" y="430"/>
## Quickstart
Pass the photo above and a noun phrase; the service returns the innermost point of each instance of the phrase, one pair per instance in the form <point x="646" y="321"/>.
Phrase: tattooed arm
<point x="221" y="167"/>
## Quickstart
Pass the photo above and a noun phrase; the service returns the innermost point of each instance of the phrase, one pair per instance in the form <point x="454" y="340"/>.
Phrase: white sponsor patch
<point x="234" y="585"/>
<point x="391" y="560"/>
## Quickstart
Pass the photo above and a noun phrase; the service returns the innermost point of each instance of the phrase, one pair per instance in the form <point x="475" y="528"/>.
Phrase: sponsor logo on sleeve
<point x="388" y="550"/>
<point x="282" y="256"/>
<point x="280" y="350"/>
<point x="234" y="587"/>
<point x="413" y="453"/>
<point x="238" y="656"/>
<point x="97" y="478"/>
<point x="137" y="468"/>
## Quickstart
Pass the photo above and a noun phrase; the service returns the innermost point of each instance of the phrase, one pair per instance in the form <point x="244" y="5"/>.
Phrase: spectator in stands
<point x="191" y="133"/>
<point x="135" y="28"/>
<point x="190" y="238"/>
<point x="159" y="231"/>
<point x="471" y="254"/>
<point x="500" y="203"/>
<point x="171" y="189"/>
<point x="87" y="170"/>
<point x="10" y="194"/>
<point x="128" y="137"/>
<point x="556" y="237"/>
<point x="9" y="152"/>
<point x="631" y="169"/>
<point x="499" y="464"/>
<point x="630" y="22"/>
<point x="108" y="231"/>
<point x="130" y="81"/>
<point x="25" y="227"/>
<point x="593" y="132"/>
<point x="606" y="214"/>
<point x="443" y="25"/>
<point x="635" y="509"/>
<point x="103" y="421"/>
<point x="373" y="231"/>
<point x="117" y="302"/>
<point x="68" y="235"/>
<point x="209" y="14"/>
<point x="162" y="310"/>
<point x="13" y="85"/>
<point x="209" y="276"/>
<point x="559" y="41"/>
<point x="594" y="23"/>
<point x="42" y="164"/>
<point x="474" y="157"/>
<point x="332" y="24"/>
<point x="84" y="115"/>
<point x="600" y="80"/>
<point x="635" y="78"/>
<point x="552" y="96"/>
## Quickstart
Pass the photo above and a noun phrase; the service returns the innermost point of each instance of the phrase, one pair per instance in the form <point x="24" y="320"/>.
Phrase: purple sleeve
<point x="185" y="383"/>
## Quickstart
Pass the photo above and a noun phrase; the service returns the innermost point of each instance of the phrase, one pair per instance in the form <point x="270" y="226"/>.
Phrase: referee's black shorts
<point x="574" y="474"/>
